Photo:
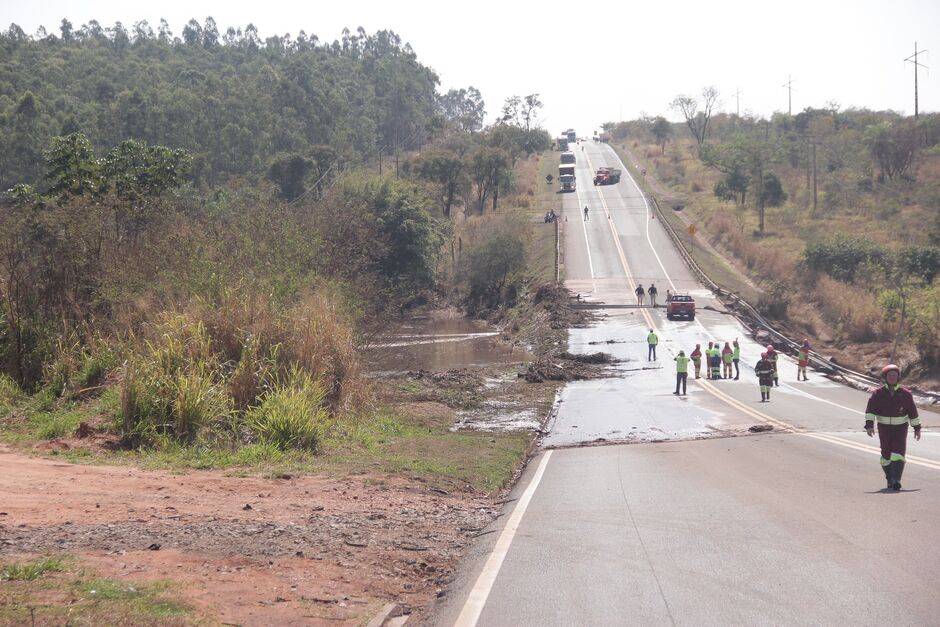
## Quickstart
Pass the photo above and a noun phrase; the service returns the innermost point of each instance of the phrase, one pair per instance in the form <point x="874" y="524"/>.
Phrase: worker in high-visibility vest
<point x="802" y="360"/>
<point x="715" y="361"/>
<point x="726" y="354"/>
<point x="652" y="340"/>
<point x="893" y="408"/>
<point x="772" y="357"/>
<point x="682" y="372"/>
<point x="696" y="356"/>
<point x="735" y="358"/>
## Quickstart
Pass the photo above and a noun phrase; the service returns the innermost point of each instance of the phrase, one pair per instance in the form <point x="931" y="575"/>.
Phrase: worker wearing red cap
<point x="802" y="360"/>
<point x="893" y="408"/>
<point x="765" y="376"/>
<point x="772" y="356"/>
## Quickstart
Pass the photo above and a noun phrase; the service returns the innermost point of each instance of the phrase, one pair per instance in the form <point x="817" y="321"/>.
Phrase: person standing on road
<point x="772" y="356"/>
<point x="585" y="212"/>
<point x="802" y="356"/>
<point x="696" y="356"/>
<point x="735" y="358"/>
<point x="726" y="354"/>
<point x="893" y="408"/>
<point x="708" y="361"/>
<point x="715" y="361"/>
<point x="765" y="377"/>
<point x="682" y="372"/>
<point x="653" y="292"/>
<point x="640" y="294"/>
<point x="652" y="341"/>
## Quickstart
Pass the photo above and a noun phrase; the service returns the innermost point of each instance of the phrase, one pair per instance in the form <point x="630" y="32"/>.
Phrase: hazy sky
<point x="592" y="66"/>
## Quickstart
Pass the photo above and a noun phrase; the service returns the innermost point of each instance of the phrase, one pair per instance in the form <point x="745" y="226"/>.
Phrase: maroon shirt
<point x="885" y="405"/>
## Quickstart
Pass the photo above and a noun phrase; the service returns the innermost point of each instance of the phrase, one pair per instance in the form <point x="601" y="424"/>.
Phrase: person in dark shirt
<point x="893" y="408"/>
<point x="765" y="377"/>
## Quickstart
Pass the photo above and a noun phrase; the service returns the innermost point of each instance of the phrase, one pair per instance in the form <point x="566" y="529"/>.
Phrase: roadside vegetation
<point x="59" y="590"/>
<point x="185" y="289"/>
<point x="835" y="214"/>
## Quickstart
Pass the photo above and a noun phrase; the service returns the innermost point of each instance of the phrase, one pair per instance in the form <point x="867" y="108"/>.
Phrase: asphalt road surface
<point x="683" y="516"/>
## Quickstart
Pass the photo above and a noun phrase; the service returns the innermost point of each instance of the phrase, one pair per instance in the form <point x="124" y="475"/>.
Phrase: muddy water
<point x="438" y="343"/>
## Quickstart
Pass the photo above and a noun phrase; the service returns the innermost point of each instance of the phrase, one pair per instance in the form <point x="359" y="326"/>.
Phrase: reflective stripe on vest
<point x="891" y="420"/>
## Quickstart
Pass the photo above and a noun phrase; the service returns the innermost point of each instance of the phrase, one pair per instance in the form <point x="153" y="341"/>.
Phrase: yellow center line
<point x="723" y="396"/>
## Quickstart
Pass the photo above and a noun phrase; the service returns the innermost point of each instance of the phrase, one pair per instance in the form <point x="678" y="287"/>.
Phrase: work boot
<point x="897" y="469"/>
<point x="887" y="470"/>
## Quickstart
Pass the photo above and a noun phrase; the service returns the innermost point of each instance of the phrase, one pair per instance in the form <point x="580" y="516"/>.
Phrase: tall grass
<point x="291" y="416"/>
<point x="233" y="361"/>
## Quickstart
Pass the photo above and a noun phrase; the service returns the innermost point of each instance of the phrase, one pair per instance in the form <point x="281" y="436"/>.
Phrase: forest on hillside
<point x="207" y="225"/>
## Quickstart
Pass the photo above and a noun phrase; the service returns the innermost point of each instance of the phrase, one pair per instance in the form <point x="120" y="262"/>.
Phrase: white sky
<point x="592" y="65"/>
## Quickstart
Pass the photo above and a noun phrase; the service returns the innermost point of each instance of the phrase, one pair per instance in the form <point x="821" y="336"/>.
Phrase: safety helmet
<point x="763" y="355"/>
<point x="805" y="342"/>
<point x="770" y="347"/>
<point x="682" y="353"/>
<point x="889" y="368"/>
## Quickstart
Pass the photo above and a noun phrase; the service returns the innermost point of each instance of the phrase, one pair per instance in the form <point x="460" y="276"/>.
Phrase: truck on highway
<point x="566" y="177"/>
<point x="680" y="305"/>
<point x="567" y="157"/>
<point x="607" y="176"/>
<point x="562" y="143"/>
<point x="571" y="135"/>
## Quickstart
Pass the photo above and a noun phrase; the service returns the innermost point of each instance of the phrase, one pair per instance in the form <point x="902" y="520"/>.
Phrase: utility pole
<point x="737" y="107"/>
<point x="913" y="59"/>
<point x="789" y="86"/>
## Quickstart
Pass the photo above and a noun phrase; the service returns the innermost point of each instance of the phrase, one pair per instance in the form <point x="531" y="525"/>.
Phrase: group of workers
<point x="641" y="294"/>
<point x="890" y="406"/>
<point x="723" y="363"/>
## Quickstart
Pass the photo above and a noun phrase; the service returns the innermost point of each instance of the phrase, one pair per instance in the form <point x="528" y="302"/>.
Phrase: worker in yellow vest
<point x="682" y="372"/>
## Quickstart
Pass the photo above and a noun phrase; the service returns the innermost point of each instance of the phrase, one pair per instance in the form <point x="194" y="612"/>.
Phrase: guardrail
<point x="856" y="379"/>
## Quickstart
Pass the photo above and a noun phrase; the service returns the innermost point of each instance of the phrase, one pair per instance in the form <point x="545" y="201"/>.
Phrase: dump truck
<point x="607" y="176"/>
<point x="562" y="143"/>
<point x="567" y="157"/>
<point x="572" y="136"/>
<point x="566" y="177"/>
<point x="603" y="138"/>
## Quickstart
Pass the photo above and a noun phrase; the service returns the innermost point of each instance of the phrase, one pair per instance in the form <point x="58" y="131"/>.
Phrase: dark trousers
<point x="651" y="353"/>
<point x="737" y="371"/>
<point x="681" y="379"/>
<point x="893" y="439"/>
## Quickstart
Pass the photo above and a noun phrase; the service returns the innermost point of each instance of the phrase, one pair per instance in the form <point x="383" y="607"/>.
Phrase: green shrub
<point x="291" y="416"/>
<point x="842" y="257"/>
<point x="173" y="388"/>
<point x="31" y="571"/>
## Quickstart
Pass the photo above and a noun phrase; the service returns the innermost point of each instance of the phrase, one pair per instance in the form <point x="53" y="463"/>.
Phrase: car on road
<point x="680" y="305"/>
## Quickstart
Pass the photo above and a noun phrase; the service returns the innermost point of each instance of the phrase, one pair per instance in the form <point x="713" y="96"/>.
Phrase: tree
<point x="448" y="170"/>
<point x="489" y="168"/>
<point x="745" y="160"/>
<point x="894" y="147"/>
<point x="464" y="108"/>
<point x="661" y="130"/>
<point x="772" y="193"/>
<point x="529" y="109"/>
<point x="288" y="173"/>
<point x="695" y="118"/>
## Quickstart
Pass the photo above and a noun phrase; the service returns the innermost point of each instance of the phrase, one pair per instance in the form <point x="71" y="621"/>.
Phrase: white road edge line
<point x="587" y="245"/>
<point x="473" y="607"/>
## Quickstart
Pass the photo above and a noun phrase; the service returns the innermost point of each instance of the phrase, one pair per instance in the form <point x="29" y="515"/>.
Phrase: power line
<point x="917" y="64"/>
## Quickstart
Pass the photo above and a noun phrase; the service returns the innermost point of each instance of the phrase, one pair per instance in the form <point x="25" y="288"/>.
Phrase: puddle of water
<point x="524" y="420"/>
<point x="440" y="343"/>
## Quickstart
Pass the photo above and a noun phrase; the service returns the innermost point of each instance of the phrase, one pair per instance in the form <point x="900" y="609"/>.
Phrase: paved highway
<point x="683" y="517"/>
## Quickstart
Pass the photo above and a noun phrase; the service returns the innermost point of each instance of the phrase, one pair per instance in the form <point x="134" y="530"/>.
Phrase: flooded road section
<point x="437" y="343"/>
<point x="636" y="404"/>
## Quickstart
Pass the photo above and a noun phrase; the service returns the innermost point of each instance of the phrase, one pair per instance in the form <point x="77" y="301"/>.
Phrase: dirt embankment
<point x="247" y="551"/>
